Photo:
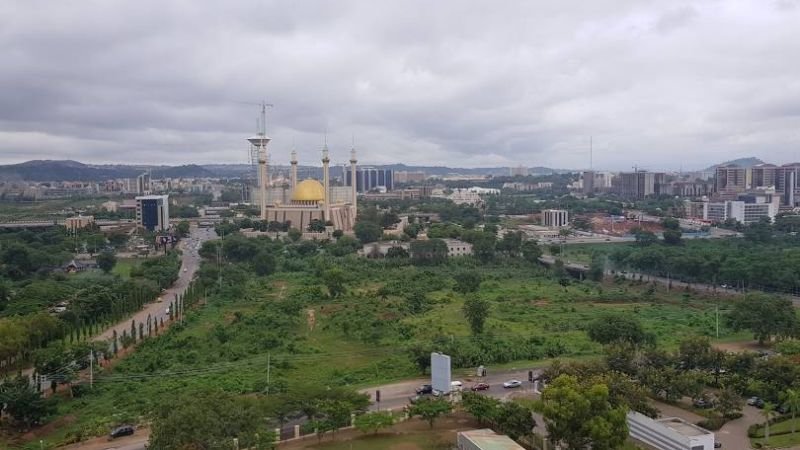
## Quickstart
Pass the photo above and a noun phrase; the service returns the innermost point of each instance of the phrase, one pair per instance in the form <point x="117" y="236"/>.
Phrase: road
<point x="732" y="435"/>
<point x="190" y="262"/>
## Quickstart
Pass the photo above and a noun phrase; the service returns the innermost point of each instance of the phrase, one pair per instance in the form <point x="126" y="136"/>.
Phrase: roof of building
<point x="152" y="197"/>
<point x="487" y="439"/>
<point x="308" y="191"/>
<point x="683" y="427"/>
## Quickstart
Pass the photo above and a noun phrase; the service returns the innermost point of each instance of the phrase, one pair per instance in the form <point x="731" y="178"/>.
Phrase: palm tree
<point x="791" y="399"/>
<point x="767" y="412"/>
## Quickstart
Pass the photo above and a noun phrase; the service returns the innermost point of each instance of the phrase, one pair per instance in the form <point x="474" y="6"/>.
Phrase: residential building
<point x="669" y="433"/>
<point x="152" y="212"/>
<point x="485" y="439"/>
<point x="371" y="178"/>
<point x="456" y="247"/>
<point x="555" y="218"/>
<point x="78" y="222"/>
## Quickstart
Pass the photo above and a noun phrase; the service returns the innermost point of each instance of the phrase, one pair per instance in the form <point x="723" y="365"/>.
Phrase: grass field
<point x="359" y="340"/>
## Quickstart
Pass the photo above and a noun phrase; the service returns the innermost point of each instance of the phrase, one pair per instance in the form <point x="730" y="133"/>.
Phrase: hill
<point x="742" y="162"/>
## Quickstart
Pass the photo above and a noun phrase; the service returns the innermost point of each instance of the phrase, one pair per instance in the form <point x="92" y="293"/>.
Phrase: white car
<point x="512" y="384"/>
<point x="456" y="385"/>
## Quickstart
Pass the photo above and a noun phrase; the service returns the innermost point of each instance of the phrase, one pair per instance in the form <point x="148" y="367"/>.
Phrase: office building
<point x="669" y="433"/>
<point x="403" y="176"/>
<point x="731" y="179"/>
<point x="555" y="218"/>
<point x="640" y="184"/>
<point x="747" y="208"/>
<point x="518" y="171"/>
<point x="152" y="212"/>
<point x="370" y="178"/>
<point x="764" y="175"/>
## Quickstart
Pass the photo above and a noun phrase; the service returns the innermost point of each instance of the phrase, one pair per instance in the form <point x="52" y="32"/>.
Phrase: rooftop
<point x="683" y="427"/>
<point x="487" y="439"/>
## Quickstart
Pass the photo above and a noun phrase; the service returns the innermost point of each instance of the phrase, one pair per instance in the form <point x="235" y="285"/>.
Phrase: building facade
<point x="152" y="212"/>
<point x="370" y="178"/>
<point x="640" y="184"/>
<point x="456" y="247"/>
<point x="555" y="218"/>
<point x="746" y="209"/>
<point x="78" y="222"/>
<point x="669" y="433"/>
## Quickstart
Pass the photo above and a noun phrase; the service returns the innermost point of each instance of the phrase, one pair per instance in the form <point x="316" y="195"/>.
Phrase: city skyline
<point x="659" y="86"/>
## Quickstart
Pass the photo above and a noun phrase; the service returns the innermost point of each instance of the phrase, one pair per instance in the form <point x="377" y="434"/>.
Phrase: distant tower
<point x="353" y="162"/>
<point x="326" y="180"/>
<point x="294" y="169"/>
<point x="259" y="144"/>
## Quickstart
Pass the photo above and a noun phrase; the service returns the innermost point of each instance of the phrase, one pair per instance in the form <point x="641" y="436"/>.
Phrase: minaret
<point x="326" y="180"/>
<point x="294" y="169"/>
<point x="260" y="141"/>
<point x="353" y="162"/>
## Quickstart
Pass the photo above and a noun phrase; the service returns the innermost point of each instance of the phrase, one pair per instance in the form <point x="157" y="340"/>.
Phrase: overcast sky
<point x="661" y="84"/>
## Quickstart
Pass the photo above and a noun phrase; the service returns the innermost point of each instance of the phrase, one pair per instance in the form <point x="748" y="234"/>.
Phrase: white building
<point x="555" y="218"/>
<point x="485" y="439"/>
<point x="669" y="433"/>
<point x="748" y="209"/>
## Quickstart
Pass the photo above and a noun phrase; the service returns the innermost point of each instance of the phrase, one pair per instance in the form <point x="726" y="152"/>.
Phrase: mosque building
<point x="306" y="200"/>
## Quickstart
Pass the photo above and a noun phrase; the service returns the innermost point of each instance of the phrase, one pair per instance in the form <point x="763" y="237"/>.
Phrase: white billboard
<point x="440" y="372"/>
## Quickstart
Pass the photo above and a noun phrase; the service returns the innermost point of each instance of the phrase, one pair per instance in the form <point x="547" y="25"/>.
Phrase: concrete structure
<point x="381" y="249"/>
<point x="669" y="433"/>
<point x="152" y="212"/>
<point x="639" y="184"/>
<point x="404" y="176"/>
<point x="485" y="439"/>
<point x="519" y="171"/>
<point x="370" y="178"/>
<point x="731" y="179"/>
<point x="746" y="209"/>
<point x="465" y="197"/>
<point x="555" y="218"/>
<point x="456" y="247"/>
<point x="588" y="181"/>
<point x="78" y="222"/>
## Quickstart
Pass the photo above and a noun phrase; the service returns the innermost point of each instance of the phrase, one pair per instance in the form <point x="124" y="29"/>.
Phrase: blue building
<point x="369" y="178"/>
<point x="152" y="212"/>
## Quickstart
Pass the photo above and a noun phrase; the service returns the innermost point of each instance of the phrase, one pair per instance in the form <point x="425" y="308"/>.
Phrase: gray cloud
<point x="658" y="84"/>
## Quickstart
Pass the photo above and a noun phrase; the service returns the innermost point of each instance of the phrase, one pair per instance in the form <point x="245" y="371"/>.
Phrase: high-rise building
<point x="152" y="212"/>
<point x="764" y="175"/>
<point x="731" y="179"/>
<point x="640" y="184"/>
<point x="588" y="181"/>
<point x="519" y="171"/>
<point x="369" y="178"/>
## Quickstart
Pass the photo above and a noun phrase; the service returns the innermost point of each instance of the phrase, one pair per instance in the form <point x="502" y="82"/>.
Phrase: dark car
<point x="480" y="387"/>
<point x="124" y="430"/>
<point x="759" y="403"/>
<point x="425" y="389"/>
<point x="702" y="403"/>
<point x="783" y="409"/>
<point x="717" y="444"/>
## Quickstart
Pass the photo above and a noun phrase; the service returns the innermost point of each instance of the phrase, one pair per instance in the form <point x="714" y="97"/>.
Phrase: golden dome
<point x="308" y="191"/>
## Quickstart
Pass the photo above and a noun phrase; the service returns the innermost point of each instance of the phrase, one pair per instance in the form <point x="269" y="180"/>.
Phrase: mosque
<point x="307" y="200"/>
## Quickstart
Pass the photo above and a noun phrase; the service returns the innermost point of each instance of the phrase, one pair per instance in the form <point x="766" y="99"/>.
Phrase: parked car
<point x="512" y="384"/>
<point x="456" y="385"/>
<point x="425" y="389"/>
<point x="759" y="403"/>
<point x="120" y="431"/>
<point x="752" y="401"/>
<point x="782" y="409"/>
<point x="480" y="387"/>
<point x="717" y="444"/>
<point x="703" y="403"/>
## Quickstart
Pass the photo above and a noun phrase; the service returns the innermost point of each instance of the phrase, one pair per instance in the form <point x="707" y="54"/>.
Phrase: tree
<point x="294" y="234"/>
<point x="791" y="399"/>
<point x="372" y="422"/>
<point x="729" y="403"/>
<point x="768" y="412"/>
<point x="482" y="407"/>
<point x="514" y="420"/>
<point x="672" y="237"/>
<point x="207" y="419"/>
<point x="396" y="252"/>
<point x="484" y="246"/>
<point x="367" y="232"/>
<point x="620" y="328"/>
<point x="5" y="293"/>
<point x="430" y="252"/>
<point x="429" y="409"/>
<point x="531" y="251"/>
<point x="334" y="280"/>
<point x="389" y="219"/>
<point x="183" y="228"/>
<point x="21" y="401"/>
<point x="476" y="311"/>
<point x="417" y="301"/>
<point x="597" y="268"/>
<point x="264" y="263"/>
<point x="467" y="281"/>
<point x="644" y="238"/>
<point x="106" y="261"/>
<point x="316" y="226"/>
<point x="511" y="243"/>
<point x="581" y="416"/>
<point x="766" y="316"/>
